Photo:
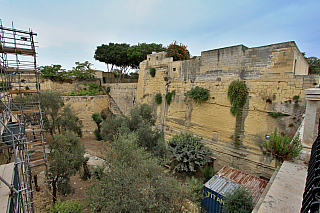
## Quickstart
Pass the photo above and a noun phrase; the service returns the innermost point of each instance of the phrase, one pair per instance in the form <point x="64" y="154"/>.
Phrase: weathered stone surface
<point x="286" y="191"/>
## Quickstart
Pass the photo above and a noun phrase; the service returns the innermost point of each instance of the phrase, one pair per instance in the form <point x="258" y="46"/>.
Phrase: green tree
<point x="53" y="72"/>
<point x="83" y="71"/>
<point x="314" y="65"/>
<point x="283" y="147"/>
<point x="237" y="94"/>
<point x="65" y="159"/>
<point x="51" y="103"/>
<point x="238" y="201"/>
<point x="177" y="51"/>
<point x="138" y="53"/>
<point x="114" y="54"/>
<point x="133" y="182"/>
<point x="188" y="152"/>
<point x="98" y="120"/>
<point x="68" y="121"/>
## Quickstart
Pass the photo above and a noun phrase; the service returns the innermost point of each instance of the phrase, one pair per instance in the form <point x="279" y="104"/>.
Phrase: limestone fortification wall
<point x="85" y="106"/>
<point x="123" y="94"/>
<point x="274" y="75"/>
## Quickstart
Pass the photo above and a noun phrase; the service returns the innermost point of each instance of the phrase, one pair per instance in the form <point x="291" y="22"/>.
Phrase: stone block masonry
<point x="85" y="106"/>
<point x="274" y="75"/>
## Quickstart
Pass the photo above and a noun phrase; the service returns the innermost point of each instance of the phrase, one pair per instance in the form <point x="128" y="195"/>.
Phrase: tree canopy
<point x="124" y="56"/>
<point x="177" y="51"/>
<point x="314" y="65"/>
<point x="83" y="71"/>
<point x="138" y="53"/>
<point x="53" y="72"/>
<point x="133" y="181"/>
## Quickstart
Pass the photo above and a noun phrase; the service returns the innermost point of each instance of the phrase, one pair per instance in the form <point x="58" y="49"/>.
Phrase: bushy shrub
<point x="207" y="172"/>
<point x="198" y="94"/>
<point x="283" y="147"/>
<point x="158" y="98"/>
<point x="169" y="96"/>
<point x="68" y="206"/>
<point x="110" y="126"/>
<point x="194" y="188"/>
<point x="237" y="94"/>
<point x="152" y="71"/>
<point x="238" y="200"/>
<point x="188" y="152"/>
<point x="97" y="118"/>
<point x="137" y="176"/>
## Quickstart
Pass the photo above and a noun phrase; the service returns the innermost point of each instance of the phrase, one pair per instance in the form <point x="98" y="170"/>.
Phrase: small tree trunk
<point x="35" y="178"/>
<point x="54" y="192"/>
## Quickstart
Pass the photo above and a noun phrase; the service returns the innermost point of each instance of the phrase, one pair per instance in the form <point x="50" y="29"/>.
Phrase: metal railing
<point x="311" y="195"/>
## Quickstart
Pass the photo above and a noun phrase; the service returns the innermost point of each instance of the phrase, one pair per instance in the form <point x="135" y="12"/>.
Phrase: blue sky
<point x="70" y="30"/>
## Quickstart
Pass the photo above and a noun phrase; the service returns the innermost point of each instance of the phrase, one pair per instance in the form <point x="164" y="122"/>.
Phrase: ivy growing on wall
<point x="169" y="96"/>
<point x="152" y="71"/>
<point x="237" y="94"/>
<point x="158" y="98"/>
<point x="198" y="94"/>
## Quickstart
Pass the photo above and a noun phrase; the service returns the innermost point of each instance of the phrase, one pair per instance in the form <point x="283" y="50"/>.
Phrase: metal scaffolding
<point x="21" y="124"/>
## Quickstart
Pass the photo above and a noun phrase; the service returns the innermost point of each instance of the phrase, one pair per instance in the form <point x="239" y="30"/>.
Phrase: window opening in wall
<point x="294" y="66"/>
<point x="174" y="69"/>
<point x="157" y="58"/>
<point x="149" y="59"/>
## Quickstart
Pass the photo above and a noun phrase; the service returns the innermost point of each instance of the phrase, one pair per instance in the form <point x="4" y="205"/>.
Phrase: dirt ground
<point x="43" y="198"/>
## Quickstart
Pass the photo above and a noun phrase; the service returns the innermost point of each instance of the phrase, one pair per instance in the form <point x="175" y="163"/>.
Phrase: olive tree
<point x="133" y="181"/>
<point x="65" y="159"/>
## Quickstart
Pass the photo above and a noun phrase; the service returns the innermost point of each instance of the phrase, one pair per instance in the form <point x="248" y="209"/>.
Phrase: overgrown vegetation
<point x="68" y="206"/>
<point x="237" y="94"/>
<point x="239" y="200"/>
<point x="169" y="96"/>
<point x="65" y="159"/>
<point x="55" y="72"/>
<point x="152" y="71"/>
<point x="283" y="147"/>
<point x="98" y="120"/>
<point x="158" y="98"/>
<point x="90" y="89"/>
<point x="141" y="121"/>
<point x="199" y="94"/>
<point x="188" y="152"/>
<point x="133" y="181"/>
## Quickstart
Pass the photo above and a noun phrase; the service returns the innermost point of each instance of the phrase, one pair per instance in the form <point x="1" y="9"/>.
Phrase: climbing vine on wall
<point x="152" y="71"/>
<point x="158" y="98"/>
<point x="237" y="94"/>
<point x="169" y="96"/>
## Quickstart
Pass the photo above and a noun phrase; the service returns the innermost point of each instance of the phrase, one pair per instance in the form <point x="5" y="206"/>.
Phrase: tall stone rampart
<point x="275" y="75"/>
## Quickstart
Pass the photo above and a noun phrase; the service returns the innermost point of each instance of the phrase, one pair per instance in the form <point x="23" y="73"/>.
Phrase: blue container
<point x="212" y="201"/>
<point x="214" y="192"/>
